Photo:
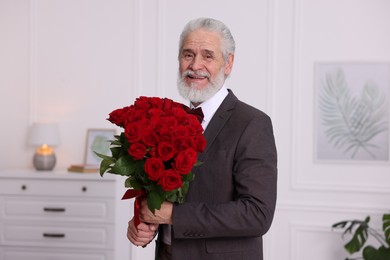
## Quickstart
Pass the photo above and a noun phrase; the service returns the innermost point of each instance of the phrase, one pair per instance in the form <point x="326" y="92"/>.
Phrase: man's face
<point x="202" y="69"/>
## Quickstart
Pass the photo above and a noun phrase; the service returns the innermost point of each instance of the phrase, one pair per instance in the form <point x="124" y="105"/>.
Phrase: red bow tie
<point x="196" y="112"/>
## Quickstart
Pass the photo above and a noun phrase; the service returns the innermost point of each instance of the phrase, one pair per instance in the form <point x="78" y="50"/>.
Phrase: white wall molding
<point x="294" y="206"/>
<point x="301" y="165"/>
<point x="297" y="228"/>
<point x="271" y="56"/>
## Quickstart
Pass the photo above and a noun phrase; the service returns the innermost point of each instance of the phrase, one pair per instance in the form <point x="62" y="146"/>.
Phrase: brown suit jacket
<point x="231" y="202"/>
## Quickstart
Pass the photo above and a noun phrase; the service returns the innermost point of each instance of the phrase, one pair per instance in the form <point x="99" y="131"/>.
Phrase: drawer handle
<point x="54" y="209"/>
<point x="53" y="235"/>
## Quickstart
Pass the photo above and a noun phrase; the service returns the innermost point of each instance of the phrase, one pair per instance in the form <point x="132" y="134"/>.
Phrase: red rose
<point x="155" y="112"/>
<point x="194" y="125"/>
<point x="168" y="122"/>
<point x="120" y="116"/>
<point x="179" y="112"/>
<point x="185" y="160"/>
<point x="150" y="138"/>
<point x="156" y="102"/>
<point x="142" y="103"/>
<point x="154" y="168"/>
<point x="201" y="143"/>
<point x="165" y="151"/>
<point x="153" y="122"/>
<point x="167" y="104"/>
<point x="171" y="180"/>
<point x="181" y="143"/>
<point x="180" y="131"/>
<point x="137" y="151"/>
<point x="133" y="132"/>
<point x="165" y="134"/>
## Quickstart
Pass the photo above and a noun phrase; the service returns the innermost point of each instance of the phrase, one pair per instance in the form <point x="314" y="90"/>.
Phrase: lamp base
<point x="44" y="162"/>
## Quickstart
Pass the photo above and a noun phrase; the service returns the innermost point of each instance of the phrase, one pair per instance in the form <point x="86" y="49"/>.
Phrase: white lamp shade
<point x="44" y="133"/>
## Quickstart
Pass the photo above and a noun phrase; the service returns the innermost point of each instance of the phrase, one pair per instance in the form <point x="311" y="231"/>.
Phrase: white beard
<point x="192" y="93"/>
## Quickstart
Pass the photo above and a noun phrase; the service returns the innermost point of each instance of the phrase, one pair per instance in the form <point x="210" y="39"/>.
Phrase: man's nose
<point x="196" y="63"/>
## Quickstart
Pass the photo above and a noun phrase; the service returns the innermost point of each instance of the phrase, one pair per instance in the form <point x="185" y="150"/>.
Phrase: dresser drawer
<point x="63" y="187"/>
<point x="58" y="235"/>
<point x="62" y="209"/>
<point x="50" y="254"/>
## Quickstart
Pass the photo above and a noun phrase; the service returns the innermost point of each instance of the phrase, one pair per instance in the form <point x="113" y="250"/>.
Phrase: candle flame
<point x="45" y="150"/>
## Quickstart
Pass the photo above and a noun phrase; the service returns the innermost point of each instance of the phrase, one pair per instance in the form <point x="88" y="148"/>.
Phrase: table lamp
<point x="44" y="136"/>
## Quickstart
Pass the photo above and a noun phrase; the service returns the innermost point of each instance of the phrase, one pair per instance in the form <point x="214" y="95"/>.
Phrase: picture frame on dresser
<point x="98" y="140"/>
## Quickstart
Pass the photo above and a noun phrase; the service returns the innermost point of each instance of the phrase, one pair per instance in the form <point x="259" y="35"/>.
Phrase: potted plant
<point x="360" y="231"/>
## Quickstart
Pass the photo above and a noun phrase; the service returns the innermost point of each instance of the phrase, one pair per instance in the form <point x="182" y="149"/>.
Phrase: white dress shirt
<point x="210" y="106"/>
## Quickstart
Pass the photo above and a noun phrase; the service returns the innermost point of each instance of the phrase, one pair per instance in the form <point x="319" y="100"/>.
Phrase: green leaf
<point x="340" y="224"/>
<point x="154" y="201"/>
<point x="116" y="151"/>
<point x="371" y="253"/>
<point x="359" y="237"/>
<point x="188" y="177"/>
<point x="135" y="184"/>
<point x="128" y="182"/>
<point x="125" y="165"/>
<point x="185" y="187"/>
<point x="104" y="157"/>
<point x="198" y="163"/>
<point x="386" y="228"/>
<point x="171" y="196"/>
<point x="105" y="164"/>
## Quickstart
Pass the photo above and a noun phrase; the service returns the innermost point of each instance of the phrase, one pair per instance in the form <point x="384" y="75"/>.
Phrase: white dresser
<point x="58" y="216"/>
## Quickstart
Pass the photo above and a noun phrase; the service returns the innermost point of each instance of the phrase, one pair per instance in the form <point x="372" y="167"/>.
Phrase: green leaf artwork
<point x="352" y="121"/>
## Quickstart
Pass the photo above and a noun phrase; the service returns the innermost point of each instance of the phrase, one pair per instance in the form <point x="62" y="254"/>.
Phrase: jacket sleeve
<point x="235" y="194"/>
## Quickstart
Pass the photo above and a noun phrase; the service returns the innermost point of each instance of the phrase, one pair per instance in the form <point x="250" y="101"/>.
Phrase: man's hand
<point x="162" y="216"/>
<point x="141" y="235"/>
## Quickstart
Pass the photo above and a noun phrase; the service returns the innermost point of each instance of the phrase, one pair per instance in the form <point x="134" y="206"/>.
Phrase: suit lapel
<point x="219" y="120"/>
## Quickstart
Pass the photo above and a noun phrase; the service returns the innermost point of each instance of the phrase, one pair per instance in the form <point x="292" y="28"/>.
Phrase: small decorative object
<point x="361" y="231"/>
<point x="44" y="136"/>
<point x="83" y="168"/>
<point x="156" y="151"/>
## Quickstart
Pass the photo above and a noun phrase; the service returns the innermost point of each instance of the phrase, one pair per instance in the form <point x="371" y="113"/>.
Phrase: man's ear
<point x="229" y="64"/>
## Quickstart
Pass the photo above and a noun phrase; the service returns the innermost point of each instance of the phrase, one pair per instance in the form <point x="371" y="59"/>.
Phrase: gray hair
<point x="211" y="25"/>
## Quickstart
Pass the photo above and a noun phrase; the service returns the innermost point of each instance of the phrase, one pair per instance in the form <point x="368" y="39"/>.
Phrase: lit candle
<point x="45" y="150"/>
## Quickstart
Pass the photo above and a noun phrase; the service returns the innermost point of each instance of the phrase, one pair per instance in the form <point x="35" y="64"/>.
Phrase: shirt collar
<point x="210" y="106"/>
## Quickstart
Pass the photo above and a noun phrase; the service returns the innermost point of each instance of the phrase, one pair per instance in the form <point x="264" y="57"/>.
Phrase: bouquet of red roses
<point x="156" y="151"/>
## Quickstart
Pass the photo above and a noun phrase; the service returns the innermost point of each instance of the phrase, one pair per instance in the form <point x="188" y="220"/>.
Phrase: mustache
<point x="197" y="73"/>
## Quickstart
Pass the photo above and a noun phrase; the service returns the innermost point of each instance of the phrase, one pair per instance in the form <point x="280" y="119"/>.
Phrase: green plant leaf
<point x="105" y="164"/>
<point x="386" y="228"/>
<point x="184" y="188"/>
<point x="154" y="201"/>
<point x="198" y="163"/>
<point x="340" y="224"/>
<point x="171" y="196"/>
<point x="359" y="237"/>
<point x="125" y="166"/>
<point x="105" y="157"/>
<point x="188" y="177"/>
<point x="359" y="229"/>
<point x="116" y="151"/>
<point x="371" y="253"/>
<point x="135" y="184"/>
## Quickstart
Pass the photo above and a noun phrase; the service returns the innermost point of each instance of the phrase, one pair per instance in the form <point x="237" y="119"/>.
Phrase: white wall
<point x="75" y="61"/>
